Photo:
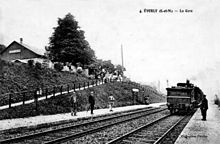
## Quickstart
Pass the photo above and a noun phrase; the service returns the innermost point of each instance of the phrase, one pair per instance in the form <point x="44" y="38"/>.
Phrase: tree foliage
<point x="100" y="64"/>
<point x="30" y="63"/>
<point x="68" y="44"/>
<point x="58" y="66"/>
<point x="38" y="66"/>
<point x="120" y="69"/>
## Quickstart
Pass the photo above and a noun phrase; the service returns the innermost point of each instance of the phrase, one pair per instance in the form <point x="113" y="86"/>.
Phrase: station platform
<point x="202" y="132"/>
<point x="43" y="120"/>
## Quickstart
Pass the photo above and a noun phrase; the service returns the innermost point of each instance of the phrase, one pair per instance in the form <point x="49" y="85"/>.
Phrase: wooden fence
<point x="47" y="92"/>
<point x="24" y="96"/>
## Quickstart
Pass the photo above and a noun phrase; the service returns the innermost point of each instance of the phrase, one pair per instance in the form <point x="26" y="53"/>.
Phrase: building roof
<point x="31" y="48"/>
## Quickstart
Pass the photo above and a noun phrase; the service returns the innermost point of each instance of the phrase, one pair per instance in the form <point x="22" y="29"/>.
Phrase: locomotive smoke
<point x="209" y="81"/>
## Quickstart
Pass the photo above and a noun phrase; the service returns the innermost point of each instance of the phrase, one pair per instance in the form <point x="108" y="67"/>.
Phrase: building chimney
<point x="21" y="40"/>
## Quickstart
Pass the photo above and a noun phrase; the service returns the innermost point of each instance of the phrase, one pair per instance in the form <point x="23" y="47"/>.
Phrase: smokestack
<point x="21" y="40"/>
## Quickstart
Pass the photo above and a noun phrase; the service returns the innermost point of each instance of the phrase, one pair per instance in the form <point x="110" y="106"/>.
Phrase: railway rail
<point x="79" y="130"/>
<point x="156" y="132"/>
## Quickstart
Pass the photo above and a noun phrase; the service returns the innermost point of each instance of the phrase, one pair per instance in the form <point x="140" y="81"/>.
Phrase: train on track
<point x="184" y="97"/>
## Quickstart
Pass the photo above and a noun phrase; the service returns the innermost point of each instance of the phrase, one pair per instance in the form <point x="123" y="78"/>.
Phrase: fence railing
<point x="46" y="92"/>
<point x="9" y="100"/>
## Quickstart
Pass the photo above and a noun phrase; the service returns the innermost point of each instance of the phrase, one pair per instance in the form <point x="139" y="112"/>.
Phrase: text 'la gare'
<point x="166" y="11"/>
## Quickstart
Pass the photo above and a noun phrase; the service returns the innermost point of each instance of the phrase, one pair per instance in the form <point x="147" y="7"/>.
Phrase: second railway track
<point x="75" y="131"/>
<point x="164" y="130"/>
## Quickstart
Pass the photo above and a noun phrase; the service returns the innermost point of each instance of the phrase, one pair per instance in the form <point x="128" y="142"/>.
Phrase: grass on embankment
<point x="21" y="77"/>
<point x="61" y="104"/>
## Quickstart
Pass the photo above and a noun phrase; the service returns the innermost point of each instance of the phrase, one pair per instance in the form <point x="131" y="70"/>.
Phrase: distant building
<point x="19" y="51"/>
<point x="23" y="52"/>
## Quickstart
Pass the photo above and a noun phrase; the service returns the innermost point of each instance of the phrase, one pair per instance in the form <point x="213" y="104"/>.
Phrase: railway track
<point x="157" y="132"/>
<point x="79" y="130"/>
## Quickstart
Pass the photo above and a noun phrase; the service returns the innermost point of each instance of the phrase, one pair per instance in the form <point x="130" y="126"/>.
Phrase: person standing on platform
<point x="91" y="101"/>
<point x="111" y="102"/>
<point x="73" y="103"/>
<point x="204" y="107"/>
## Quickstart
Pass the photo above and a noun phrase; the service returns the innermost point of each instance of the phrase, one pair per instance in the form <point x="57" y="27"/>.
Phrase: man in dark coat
<point x="91" y="101"/>
<point x="204" y="107"/>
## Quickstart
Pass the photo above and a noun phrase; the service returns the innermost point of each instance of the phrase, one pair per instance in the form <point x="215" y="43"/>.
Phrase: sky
<point x="159" y="48"/>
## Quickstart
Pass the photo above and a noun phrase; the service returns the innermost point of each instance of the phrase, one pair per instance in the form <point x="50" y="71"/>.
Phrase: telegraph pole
<point x="122" y="60"/>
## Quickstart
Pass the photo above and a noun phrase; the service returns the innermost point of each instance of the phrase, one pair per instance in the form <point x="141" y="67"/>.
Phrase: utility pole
<point x="122" y="60"/>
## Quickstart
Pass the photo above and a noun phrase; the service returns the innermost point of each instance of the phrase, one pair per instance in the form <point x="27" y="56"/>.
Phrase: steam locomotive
<point x="184" y="97"/>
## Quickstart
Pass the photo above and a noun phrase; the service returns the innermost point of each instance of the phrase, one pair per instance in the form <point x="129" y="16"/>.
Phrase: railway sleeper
<point x="140" y="135"/>
<point x="131" y="141"/>
<point x="126" y="142"/>
<point x="140" y="140"/>
<point x="64" y="133"/>
<point x="46" y="138"/>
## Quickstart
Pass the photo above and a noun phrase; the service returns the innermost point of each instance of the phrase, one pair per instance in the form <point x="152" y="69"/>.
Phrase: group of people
<point x="91" y="101"/>
<point x="107" y="76"/>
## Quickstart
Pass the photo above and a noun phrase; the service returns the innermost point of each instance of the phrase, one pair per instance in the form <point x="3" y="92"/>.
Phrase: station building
<point x="21" y="52"/>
